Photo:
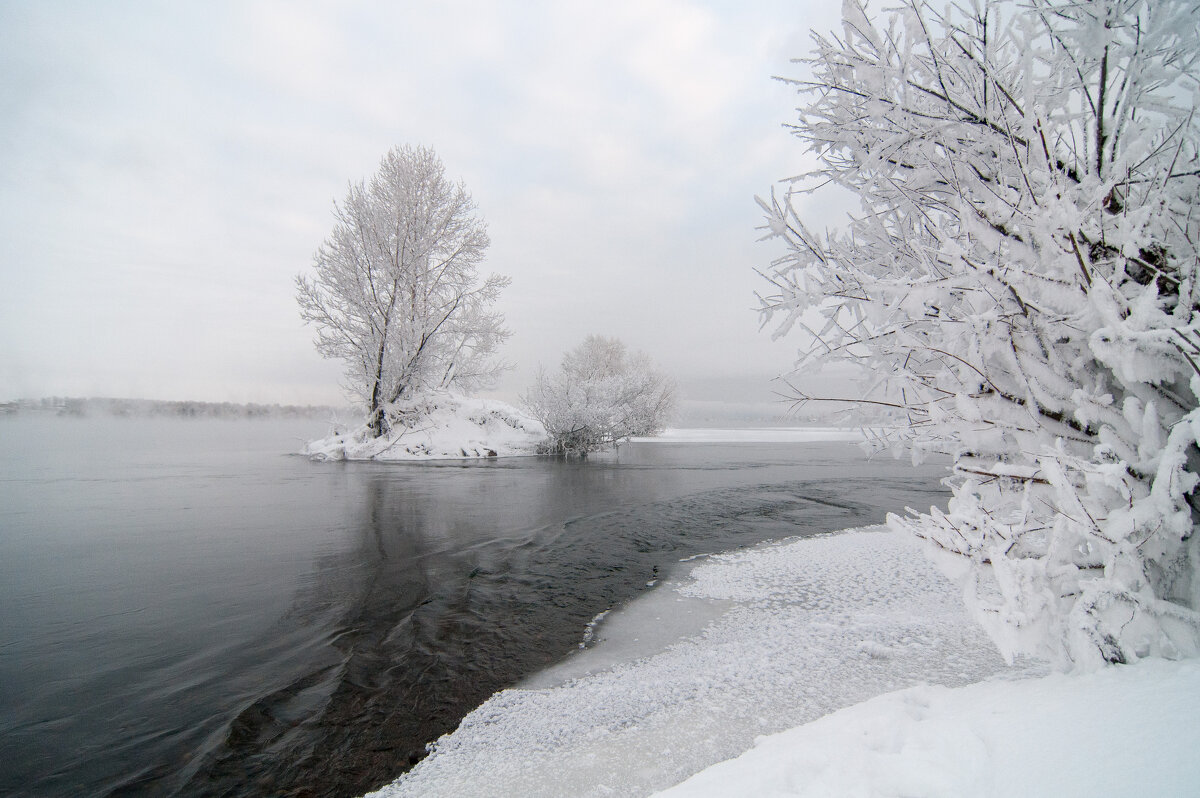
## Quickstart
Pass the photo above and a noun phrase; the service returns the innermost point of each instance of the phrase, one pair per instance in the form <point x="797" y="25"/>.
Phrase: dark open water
<point x="185" y="609"/>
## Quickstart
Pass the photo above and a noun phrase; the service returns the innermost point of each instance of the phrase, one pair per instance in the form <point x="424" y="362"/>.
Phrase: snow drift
<point x="439" y="426"/>
<point x="1120" y="731"/>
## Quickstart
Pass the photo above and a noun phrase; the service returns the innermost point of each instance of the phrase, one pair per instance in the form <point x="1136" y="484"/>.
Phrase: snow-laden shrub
<point x="1021" y="283"/>
<point x="599" y="396"/>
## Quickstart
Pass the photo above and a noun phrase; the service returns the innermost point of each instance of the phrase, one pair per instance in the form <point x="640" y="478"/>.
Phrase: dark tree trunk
<point x="375" y="420"/>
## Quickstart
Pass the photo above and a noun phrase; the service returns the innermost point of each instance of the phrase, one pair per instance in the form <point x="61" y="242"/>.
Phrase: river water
<point x="186" y="608"/>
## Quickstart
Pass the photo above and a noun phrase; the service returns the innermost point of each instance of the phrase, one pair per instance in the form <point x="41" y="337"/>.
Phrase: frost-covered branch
<point x="1023" y="284"/>
<point x="396" y="292"/>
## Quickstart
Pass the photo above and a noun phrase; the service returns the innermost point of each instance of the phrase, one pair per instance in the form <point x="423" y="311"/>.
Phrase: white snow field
<point x="1123" y="731"/>
<point x="774" y="637"/>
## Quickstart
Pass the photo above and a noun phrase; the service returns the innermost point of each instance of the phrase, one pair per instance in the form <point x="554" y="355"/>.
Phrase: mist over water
<point x="189" y="610"/>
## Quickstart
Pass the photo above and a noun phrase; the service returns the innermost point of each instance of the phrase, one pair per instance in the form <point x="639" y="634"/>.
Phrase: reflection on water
<point x="319" y="623"/>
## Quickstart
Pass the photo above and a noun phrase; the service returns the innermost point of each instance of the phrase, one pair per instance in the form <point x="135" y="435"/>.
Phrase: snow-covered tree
<point x="599" y="396"/>
<point x="396" y="293"/>
<point x="1021" y="283"/>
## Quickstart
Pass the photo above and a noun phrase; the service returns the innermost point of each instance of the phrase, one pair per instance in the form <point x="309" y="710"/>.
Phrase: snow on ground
<point x="1119" y="732"/>
<point x="755" y="435"/>
<point x="456" y="427"/>
<point x="444" y="427"/>
<point x="775" y="636"/>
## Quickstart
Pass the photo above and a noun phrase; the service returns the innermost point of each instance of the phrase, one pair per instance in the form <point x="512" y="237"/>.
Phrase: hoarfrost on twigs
<point x="396" y="293"/>
<point x="1022" y="285"/>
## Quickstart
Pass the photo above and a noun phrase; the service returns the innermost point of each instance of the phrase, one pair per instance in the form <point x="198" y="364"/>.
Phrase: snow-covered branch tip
<point x="1023" y="287"/>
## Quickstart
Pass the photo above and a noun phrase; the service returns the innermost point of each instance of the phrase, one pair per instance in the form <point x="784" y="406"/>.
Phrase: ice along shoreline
<point x="781" y="634"/>
<point x="840" y="664"/>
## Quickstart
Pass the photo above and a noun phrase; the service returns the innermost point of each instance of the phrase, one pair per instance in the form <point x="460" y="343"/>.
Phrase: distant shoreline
<point x="82" y="407"/>
<point x="752" y="430"/>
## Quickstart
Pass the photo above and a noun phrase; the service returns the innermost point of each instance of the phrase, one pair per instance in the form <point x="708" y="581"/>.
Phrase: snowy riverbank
<point x="828" y="645"/>
<point x="1122" y="731"/>
<point x="451" y="427"/>
<point x="439" y="427"/>
<point x="773" y="637"/>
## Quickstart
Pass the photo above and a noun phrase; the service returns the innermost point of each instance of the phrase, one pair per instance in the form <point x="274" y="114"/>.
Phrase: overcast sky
<point x="166" y="169"/>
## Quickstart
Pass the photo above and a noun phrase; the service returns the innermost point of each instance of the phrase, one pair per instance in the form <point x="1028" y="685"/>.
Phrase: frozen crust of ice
<point x="810" y="626"/>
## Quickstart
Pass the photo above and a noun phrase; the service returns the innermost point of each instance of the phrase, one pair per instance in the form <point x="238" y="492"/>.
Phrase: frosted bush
<point x="600" y="395"/>
<point x="1021" y="283"/>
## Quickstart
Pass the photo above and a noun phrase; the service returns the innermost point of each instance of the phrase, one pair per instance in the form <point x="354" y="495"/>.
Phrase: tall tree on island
<point x="396" y="293"/>
<point x="1023" y="284"/>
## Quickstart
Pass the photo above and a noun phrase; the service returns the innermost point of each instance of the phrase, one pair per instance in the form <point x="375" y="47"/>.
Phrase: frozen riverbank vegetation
<point x="1022" y="284"/>
<point x="438" y="426"/>
<point x="601" y="395"/>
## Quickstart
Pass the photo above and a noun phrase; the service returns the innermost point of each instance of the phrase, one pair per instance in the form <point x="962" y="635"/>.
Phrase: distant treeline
<point x="98" y="406"/>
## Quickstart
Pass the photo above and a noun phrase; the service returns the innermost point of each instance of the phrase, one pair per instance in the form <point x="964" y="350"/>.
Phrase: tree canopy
<point x="1021" y="283"/>
<point x="396" y="292"/>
